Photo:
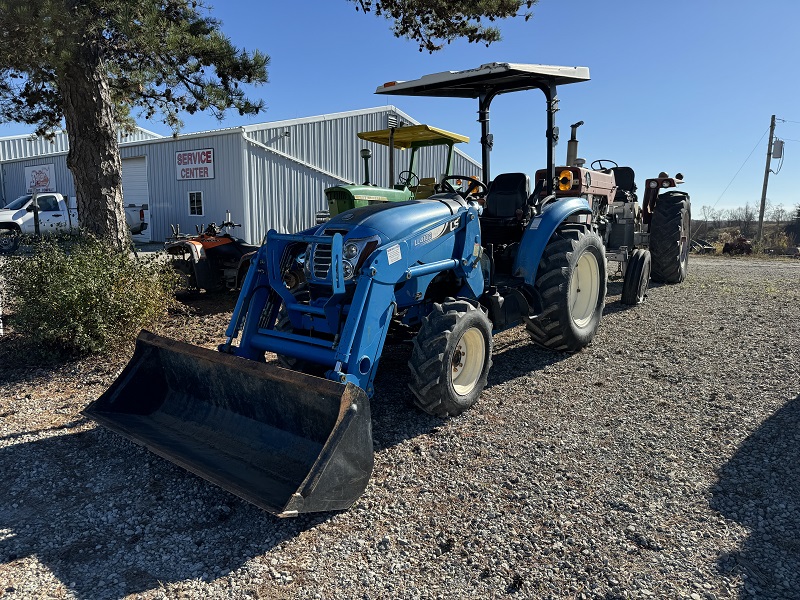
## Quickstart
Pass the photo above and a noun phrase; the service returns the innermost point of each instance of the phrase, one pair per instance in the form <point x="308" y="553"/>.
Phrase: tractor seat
<point x="506" y="208"/>
<point x="625" y="180"/>
<point x="507" y="194"/>
<point x="426" y="188"/>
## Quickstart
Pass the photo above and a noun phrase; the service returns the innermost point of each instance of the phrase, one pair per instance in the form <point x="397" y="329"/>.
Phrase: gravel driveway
<point x="663" y="461"/>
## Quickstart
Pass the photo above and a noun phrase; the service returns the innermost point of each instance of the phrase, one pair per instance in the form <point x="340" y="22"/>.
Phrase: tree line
<point x="745" y="219"/>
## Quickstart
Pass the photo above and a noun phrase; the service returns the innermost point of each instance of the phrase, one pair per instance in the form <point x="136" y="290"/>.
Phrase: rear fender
<point x="538" y="233"/>
<point x="194" y="249"/>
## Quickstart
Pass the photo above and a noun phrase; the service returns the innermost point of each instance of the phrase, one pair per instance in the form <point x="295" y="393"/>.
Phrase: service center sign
<point x="195" y="164"/>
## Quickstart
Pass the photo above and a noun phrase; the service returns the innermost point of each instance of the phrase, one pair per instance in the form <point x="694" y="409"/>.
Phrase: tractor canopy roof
<point x="471" y="83"/>
<point x="413" y="136"/>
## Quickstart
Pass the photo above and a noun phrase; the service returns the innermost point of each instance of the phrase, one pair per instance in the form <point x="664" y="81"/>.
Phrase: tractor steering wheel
<point x="407" y="178"/>
<point x="600" y="164"/>
<point x="475" y="187"/>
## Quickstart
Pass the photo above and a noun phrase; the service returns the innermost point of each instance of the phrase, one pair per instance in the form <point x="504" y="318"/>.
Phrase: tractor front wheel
<point x="637" y="277"/>
<point x="571" y="288"/>
<point x="669" y="237"/>
<point x="451" y="358"/>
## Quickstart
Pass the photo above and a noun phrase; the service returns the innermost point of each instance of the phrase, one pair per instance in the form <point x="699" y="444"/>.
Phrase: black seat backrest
<point x="507" y="193"/>
<point x="625" y="178"/>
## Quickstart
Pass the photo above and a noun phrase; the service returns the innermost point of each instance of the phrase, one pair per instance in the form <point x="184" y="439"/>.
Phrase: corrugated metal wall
<point x="14" y="184"/>
<point x="25" y="146"/>
<point x="287" y="193"/>
<point x="169" y="197"/>
<point x="330" y="142"/>
<point x="268" y="176"/>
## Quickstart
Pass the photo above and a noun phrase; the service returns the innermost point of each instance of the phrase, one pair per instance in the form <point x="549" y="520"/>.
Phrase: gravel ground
<point x="663" y="461"/>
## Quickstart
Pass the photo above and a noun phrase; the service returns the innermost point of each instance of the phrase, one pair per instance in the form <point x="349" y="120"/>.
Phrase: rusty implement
<point x="285" y="441"/>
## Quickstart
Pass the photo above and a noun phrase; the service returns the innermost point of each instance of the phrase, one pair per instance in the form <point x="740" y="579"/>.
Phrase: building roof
<point x="19" y="147"/>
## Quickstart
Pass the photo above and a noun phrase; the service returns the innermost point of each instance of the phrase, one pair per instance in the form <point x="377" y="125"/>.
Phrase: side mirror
<point x="29" y="208"/>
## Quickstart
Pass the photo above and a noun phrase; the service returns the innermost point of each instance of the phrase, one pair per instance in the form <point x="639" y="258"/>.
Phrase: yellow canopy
<point x="413" y="135"/>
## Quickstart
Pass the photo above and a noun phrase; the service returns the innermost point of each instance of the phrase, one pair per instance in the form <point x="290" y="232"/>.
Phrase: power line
<point x="740" y="168"/>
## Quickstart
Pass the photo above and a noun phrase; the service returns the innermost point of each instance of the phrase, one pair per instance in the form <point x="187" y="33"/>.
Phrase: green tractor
<point x="409" y="186"/>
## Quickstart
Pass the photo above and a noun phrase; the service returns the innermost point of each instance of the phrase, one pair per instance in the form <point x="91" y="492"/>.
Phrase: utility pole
<point x="766" y="180"/>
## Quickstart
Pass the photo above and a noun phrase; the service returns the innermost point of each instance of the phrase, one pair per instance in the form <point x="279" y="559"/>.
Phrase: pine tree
<point x="94" y="63"/>
<point x="91" y="63"/>
<point x="433" y="23"/>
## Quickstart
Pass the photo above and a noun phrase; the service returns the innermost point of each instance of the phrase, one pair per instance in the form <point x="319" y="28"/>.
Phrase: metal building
<point x="270" y="175"/>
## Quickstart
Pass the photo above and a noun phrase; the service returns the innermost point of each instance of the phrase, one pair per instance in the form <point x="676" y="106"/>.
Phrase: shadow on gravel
<point x="520" y="360"/>
<point x="395" y="419"/>
<point x="21" y="360"/>
<point x="759" y="488"/>
<point x="209" y="303"/>
<point x="394" y="416"/>
<point x="615" y="290"/>
<point x="110" y="519"/>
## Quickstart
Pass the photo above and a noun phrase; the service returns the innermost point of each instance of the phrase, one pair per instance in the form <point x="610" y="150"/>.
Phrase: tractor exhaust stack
<point x="572" y="145"/>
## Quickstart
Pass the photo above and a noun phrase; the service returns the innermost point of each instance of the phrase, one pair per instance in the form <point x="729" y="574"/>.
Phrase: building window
<point x="196" y="204"/>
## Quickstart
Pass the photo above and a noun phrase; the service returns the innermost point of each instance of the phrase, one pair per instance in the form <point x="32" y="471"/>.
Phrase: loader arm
<point x="343" y="327"/>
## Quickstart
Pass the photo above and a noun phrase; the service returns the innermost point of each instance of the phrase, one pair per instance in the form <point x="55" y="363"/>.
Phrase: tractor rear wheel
<point x="669" y="237"/>
<point x="637" y="277"/>
<point x="451" y="358"/>
<point x="571" y="288"/>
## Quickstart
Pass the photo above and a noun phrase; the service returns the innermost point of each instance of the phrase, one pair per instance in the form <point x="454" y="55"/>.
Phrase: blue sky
<point x="683" y="86"/>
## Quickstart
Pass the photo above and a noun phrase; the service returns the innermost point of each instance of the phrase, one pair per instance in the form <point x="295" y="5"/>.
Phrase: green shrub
<point x="76" y="296"/>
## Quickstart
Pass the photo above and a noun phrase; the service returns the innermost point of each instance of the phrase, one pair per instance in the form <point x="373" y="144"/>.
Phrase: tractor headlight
<point x="653" y="185"/>
<point x="351" y="250"/>
<point x="348" y="269"/>
<point x="565" y="180"/>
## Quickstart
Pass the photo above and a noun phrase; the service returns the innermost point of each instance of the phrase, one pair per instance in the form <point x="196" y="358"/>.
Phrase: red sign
<point x="195" y="164"/>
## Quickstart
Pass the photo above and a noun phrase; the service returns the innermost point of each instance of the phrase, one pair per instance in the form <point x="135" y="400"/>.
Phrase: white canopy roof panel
<point x="471" y="83"/>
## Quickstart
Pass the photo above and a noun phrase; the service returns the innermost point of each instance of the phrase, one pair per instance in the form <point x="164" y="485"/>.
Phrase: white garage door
<point x="135" y="191"/>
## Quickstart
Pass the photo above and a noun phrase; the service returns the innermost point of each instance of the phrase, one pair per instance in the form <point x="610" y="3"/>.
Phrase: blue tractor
<point x="449" y="271"/>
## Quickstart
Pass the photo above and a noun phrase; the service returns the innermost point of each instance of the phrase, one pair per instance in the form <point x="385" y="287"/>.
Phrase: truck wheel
<point x="451" y="358"/>
<point x="637" y="277"/>
<point x="10" y="239"/>
<point x="669" y="237"/>
<point x="571" y="287"/>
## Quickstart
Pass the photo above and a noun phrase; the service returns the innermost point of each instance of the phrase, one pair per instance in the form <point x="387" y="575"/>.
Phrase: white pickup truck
<point x="56" y="214"/>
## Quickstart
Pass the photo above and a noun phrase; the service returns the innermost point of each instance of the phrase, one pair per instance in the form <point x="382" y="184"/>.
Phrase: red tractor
<point x="648" y="241"/>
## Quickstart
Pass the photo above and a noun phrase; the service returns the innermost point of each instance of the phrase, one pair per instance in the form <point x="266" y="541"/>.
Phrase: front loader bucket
<point x="285" y="441"/>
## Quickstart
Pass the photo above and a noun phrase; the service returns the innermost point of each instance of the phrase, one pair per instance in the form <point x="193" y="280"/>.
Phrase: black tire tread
<point x="633" y="277"/>
<point x="665" y="237"/>
<point x="546" y="329"/>
<point x="430" y="345"/>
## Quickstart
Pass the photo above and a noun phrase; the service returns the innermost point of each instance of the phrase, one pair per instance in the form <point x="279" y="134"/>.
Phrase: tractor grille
<point x="322" y="260"/>
<point x="336" y="195"/>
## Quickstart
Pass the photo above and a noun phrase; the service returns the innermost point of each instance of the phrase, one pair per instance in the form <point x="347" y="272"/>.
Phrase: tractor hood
<point x="395" y="220"/>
